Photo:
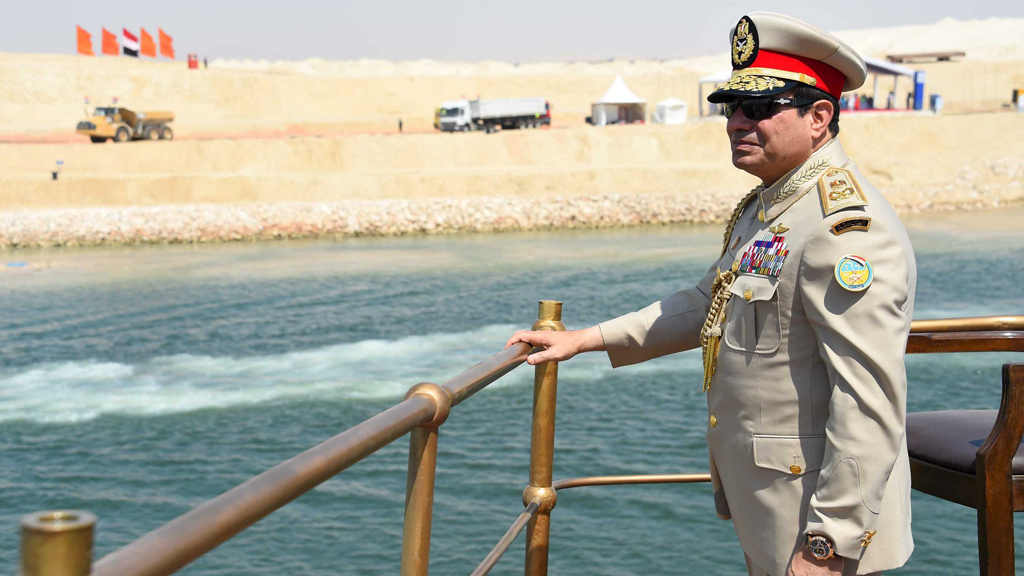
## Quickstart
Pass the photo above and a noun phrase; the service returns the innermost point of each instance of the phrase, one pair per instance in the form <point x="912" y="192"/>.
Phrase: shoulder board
<point x="839" y="190"/>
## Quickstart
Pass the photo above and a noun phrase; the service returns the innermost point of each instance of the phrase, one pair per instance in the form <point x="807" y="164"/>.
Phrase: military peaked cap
<point x="772" y="53"/>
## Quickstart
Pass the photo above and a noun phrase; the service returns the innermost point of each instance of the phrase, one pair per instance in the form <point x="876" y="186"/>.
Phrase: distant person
<point x="399" y="125"/>
<point x="803" y="345"/>
<point x="204" y="63"/>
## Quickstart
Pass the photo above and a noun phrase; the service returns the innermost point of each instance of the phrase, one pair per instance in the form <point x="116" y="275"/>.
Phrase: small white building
<point x="670" y="111"/>
<point x="618" y="106"/>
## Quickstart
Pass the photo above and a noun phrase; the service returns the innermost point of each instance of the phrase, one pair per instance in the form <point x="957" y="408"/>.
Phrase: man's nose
<point x="738" y="121"/>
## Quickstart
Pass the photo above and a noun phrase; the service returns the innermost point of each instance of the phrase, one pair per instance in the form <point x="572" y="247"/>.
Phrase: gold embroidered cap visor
<point x="745" y="85"/>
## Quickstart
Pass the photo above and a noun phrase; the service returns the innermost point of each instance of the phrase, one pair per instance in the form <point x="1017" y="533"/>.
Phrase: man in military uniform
<point x="803" y="322"/>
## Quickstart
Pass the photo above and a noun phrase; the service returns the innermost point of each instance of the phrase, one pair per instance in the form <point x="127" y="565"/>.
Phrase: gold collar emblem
<point x="743" y="43"/>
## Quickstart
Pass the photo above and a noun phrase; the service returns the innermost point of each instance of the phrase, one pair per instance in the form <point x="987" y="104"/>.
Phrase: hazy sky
<point x="513" y="30"/>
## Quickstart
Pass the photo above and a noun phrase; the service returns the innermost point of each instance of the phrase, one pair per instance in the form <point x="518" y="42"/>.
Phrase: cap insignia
<point x="840" y="190"/>
<point x="752" y="83"/>
<point x="744" y="44"/>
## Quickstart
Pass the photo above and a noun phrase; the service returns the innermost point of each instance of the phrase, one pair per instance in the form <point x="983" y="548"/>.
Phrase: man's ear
<point x="821" y="115"/>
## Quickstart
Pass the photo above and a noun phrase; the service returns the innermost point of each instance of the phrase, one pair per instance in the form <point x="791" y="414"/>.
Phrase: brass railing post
<point x="57" y="543"/>
<point x="542" y="448"/>
<point x="419" y="488"/>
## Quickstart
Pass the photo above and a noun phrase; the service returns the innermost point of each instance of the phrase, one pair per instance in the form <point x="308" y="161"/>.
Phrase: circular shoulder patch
<point x="854" y="273"/>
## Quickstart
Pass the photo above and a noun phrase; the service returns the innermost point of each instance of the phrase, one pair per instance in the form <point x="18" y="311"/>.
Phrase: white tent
<point x="618" y="106"/>
<point x="670" y="111"/>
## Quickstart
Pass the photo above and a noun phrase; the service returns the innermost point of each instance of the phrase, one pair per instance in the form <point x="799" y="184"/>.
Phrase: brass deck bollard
<point x="57" y="543"/>
<point x="419" y="487"/>
<point x="542" y="447"/>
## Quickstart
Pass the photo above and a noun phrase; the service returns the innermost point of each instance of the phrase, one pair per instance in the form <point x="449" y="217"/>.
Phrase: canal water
<point x="138" y="382"/>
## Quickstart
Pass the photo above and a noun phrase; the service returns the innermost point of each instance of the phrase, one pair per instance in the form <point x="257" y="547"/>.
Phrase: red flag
<point x="148" y="47"/>
<point x="84" y="42"/>
<point x="110" y="47"/>
<point x="166" y="44"/>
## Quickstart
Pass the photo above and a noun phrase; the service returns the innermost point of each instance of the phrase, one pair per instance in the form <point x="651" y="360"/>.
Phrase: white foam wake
<point x="82" y="390"/>
<point x="370" y="369"/>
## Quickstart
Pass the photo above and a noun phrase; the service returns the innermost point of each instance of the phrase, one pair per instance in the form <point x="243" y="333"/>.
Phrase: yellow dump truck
<point x="121" y="125"/>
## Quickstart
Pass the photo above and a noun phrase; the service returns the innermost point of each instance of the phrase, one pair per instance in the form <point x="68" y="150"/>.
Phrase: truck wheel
<point x="97" y="139"/>
<point x="151" y="133"/>
<point x="166" y="133"/>
<point x="121" y="135"/>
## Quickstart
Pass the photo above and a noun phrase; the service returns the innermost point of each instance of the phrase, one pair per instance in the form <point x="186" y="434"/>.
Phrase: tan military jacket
<point x="807" y="404"/>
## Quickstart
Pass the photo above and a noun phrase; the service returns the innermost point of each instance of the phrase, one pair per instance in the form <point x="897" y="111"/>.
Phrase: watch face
<point x="820" y="547"/>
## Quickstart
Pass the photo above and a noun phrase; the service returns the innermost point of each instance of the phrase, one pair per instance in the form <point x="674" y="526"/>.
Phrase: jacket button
<point x="747" y="294"/>
<point x="795" y="469"/>
<point x="713" y="421"/>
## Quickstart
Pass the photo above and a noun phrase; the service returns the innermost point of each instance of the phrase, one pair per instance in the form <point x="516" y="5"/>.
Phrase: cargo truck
<point x="121" y="125"/>
<point x="488" y="115"/>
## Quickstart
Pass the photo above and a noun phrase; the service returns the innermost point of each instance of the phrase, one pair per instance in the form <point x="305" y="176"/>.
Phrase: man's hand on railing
<point x="559" y="346"/>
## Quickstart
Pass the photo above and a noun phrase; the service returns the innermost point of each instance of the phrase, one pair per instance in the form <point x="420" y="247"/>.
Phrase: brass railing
<point x="59" y="543"/>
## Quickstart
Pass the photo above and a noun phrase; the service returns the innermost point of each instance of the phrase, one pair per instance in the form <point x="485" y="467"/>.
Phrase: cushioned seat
<point x="951" y="438"/>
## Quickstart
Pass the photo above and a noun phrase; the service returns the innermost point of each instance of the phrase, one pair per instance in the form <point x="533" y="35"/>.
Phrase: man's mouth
<point x="743" y="144"/>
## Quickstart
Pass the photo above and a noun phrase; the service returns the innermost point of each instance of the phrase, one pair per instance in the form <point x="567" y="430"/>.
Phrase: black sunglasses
<point x="762" y="107"/>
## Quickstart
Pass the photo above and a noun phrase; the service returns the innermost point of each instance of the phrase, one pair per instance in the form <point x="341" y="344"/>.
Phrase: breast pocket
<point x="795" y="455"/>
<point x="752" y="322"/>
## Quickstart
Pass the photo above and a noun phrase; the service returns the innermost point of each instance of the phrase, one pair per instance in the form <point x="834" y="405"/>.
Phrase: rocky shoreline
<point x="200" y="223"/>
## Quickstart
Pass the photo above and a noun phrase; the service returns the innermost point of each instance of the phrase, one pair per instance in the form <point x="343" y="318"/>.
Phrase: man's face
<point x="771" y="147"/>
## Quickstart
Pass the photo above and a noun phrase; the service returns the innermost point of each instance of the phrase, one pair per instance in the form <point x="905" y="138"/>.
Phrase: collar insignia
<point x="807" y="175"/>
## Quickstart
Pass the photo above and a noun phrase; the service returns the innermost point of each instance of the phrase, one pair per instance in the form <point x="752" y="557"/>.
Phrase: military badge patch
<point x="854" y="273"/>
<point x="847" y="224"/>
<point x="840" y="190"/>
<point x="744" y="44"/>
<point x="765" y="256"/>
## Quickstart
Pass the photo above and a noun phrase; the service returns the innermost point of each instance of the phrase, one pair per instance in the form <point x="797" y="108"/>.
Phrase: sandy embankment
<point x="368" y="185"/>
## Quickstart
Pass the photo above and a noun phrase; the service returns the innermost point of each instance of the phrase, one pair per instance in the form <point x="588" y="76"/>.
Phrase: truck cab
<point x="121" y="125"/>
<point x="455" y="116"/>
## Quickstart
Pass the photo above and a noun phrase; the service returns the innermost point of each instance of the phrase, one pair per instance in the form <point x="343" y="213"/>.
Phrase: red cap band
<point x="828" y="78"/>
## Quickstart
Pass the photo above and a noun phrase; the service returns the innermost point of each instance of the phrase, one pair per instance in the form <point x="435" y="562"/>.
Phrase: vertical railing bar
<point x="542" y="448"/>
<point x="419" y="488"/>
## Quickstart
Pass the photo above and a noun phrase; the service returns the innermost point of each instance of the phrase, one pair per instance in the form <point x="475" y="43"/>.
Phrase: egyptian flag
<point x="147" y="46"/>
<point x="130" y="44"/>
<point x="110" y="47"/>
<point x="84" y="42"/>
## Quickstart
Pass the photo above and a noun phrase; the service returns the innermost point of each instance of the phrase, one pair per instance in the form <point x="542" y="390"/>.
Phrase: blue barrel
<point x="919" y="90"/>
